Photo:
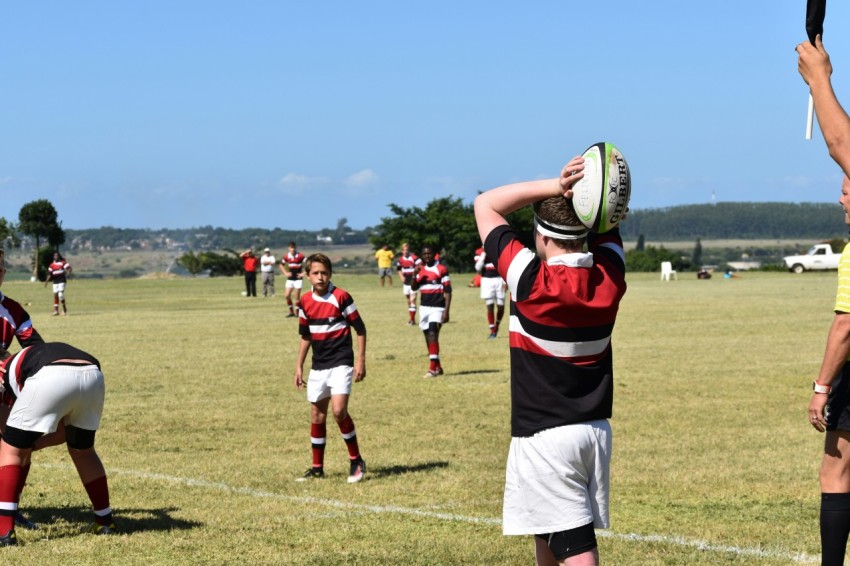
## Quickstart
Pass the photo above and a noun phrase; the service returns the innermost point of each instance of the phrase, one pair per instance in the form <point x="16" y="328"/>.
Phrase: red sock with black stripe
<point x="349" y="435"/>
<point x="98" y="490"/>
<point x="22" y="481"/>
<point x="434" y="355"/>
<point x="9" y="480"/>
<point x="318" y="436"/>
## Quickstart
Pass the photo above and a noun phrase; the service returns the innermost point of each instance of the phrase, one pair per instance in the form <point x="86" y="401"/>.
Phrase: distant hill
<point x="725" y="220"/>
<point x="737" y="220"/>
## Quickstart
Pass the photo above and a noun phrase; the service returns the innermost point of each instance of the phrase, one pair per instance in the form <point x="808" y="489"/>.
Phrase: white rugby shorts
<point x="58" y="288"/>
<point x="427" y="315"/>
<point x="557" y="480"/>
<point x="493" y="290"/>
<point x="294" y="283"/>
<point x="73" y="392"/>
<point x="407" y="290"/>
<point x="322" y="383"/>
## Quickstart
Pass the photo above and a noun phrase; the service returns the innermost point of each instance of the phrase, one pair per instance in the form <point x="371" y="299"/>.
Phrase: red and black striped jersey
<point x="562" y="315"/>
<point x="58" y="270"/>
<point x="488" y="268"/>
<point x="15" y="322"/>
<point x="407" y="265"/>
<point x="293" y="263"/>
<point x="433" y="283"/>
<point x="327" y="321"/>
<point x="31" y="359"/>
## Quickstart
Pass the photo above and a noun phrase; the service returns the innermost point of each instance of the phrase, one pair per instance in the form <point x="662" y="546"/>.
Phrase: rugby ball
<point x="601" y="197"/>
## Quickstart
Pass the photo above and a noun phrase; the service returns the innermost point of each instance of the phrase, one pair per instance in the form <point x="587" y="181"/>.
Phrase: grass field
<point x="204" y="433"/>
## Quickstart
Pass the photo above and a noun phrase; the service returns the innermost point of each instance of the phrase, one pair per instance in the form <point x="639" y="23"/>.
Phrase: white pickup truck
<point x="819" y="257"/>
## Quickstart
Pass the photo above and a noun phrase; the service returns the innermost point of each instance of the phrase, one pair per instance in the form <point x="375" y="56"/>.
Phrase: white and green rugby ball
<point x="601" y="197"/>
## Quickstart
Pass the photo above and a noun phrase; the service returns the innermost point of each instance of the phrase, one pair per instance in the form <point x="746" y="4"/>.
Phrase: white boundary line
<point x="796" y="557"/>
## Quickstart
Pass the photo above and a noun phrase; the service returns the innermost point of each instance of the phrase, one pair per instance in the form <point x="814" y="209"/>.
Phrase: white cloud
<point x="362" y="178"/>
<point x="297" y="184"/>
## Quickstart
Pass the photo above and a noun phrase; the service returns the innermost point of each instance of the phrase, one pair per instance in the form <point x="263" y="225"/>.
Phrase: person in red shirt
<point x="249" y="265"/>
<point x="326" y="317"/>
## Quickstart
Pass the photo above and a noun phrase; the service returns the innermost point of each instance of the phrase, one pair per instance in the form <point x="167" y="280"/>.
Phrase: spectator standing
<point x="267" y="268"/>
<point x="385" y="262"/>
<point x="249" y="266"/>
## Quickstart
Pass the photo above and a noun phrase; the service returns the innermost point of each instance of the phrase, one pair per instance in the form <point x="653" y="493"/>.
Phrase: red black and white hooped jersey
<point x="489" y="268"/>
<point x="31" y="359"/>
<point x="562" y="315"/>
<point x="293" y="263"/>
<point x="407" y="265"/>
<point x="15" y="322"/>
<point x="327" y="321"/>
<point x="58" y="270"/>
<point x="433" y="283"/>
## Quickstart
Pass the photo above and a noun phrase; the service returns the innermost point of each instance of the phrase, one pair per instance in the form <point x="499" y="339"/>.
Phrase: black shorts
<point x="838" y="405"/>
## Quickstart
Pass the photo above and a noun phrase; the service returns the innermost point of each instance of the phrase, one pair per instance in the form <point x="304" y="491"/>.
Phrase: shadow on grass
<point x="127" y="520"/>
<point x="475" y="371"/>
<point x="397" y="470"/>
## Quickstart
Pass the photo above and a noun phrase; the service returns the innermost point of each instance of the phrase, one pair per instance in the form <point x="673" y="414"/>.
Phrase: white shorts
<point x="294" y="283"/>
<point x="58" y="287"/>
<point x="427" y="315"/>
<point x="557" y="480"/>
<point x="407" y="290"/>
<point x="493" y="290"/>
<point x="74" y="393"/>
<point x="322" y="383"/>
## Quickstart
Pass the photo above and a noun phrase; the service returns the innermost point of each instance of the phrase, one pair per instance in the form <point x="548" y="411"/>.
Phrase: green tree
<point x="192" y="263"/>
<point x="8" y="234"/>
<point x="39" y="219"/>
<point x="651" y="257"/>
<point x="448" y="225"/>
<point x="445" y="223"/>
<point x="696" y="259"/>
<point x="221" y="264"/>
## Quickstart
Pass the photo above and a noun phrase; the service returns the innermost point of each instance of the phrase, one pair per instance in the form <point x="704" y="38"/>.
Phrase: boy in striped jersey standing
<point x="432" y="281"/>
<point x="326" y="317"/>
<point x="563" y="307"/>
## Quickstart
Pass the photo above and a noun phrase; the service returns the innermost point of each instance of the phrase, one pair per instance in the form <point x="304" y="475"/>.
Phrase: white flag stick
<point x="811" y="118"/>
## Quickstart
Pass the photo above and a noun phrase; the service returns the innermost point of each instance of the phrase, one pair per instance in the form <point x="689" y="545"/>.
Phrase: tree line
<point x="445" y="223"/>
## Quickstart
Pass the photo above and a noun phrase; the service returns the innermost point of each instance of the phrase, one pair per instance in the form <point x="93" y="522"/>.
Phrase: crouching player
<point x="326" y="317"/>
<point x="564" y="303"/>
<point x="50" y="382"/>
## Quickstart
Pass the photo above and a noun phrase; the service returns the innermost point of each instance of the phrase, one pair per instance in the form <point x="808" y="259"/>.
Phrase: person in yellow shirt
<point x="385" y="261"/>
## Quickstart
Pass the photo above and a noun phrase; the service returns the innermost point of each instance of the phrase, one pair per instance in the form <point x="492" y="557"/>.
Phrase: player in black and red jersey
<point x="435" y="290"/>
<point x="290" y="266"/>
<point x="326" y="317"/>
<point x="56" y="389"/>
<point x="492" y="291"/>
<point x="564" y="303"/>
<point x="58" y="272"/>
<point x="15" y="323"/>
<point x="406" y="264"/>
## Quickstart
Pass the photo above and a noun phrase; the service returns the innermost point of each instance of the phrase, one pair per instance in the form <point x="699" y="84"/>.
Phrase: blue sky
<point x="295" y="114"/>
